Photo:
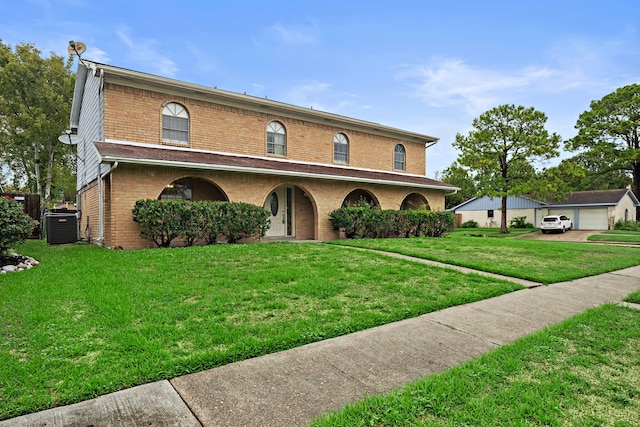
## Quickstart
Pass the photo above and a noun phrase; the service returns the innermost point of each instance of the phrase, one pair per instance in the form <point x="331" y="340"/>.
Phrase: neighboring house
<point x="143" y="136"/>
<point x="596" y="210"/>
<point x="589" y="210"/>
<point x="487" y="211"/>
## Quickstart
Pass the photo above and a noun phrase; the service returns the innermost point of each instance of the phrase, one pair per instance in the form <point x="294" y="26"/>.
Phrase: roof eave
<point x="244" y="169"/>
<point x="581" y="205"/>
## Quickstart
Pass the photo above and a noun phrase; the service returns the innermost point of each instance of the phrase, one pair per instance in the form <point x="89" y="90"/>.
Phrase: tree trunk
<point x="49" y="178"/>
<point x="36" y="150"/>
<point x="635" y="166"/>
<point x="503" y="216"/>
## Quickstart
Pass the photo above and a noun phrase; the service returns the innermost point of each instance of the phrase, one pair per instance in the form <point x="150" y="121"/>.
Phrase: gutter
<point x="426" y="146"/>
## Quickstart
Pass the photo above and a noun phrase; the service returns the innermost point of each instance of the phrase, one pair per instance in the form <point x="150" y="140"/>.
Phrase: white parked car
<point x="555" y="223"/>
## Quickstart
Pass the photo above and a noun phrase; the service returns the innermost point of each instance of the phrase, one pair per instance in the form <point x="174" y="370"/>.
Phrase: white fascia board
<point x="581" y="205"/>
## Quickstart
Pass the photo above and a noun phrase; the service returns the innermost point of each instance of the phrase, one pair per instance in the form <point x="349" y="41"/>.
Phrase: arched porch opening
<point x="293" y="213"/>
<point x="359" y="196"/>
<point x="415" y="201"/>
<point x="192" y="188"/>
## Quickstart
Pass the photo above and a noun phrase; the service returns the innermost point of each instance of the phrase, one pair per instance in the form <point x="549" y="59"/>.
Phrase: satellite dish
<point x="69" y="139"/>
<point x="76" y="48"/>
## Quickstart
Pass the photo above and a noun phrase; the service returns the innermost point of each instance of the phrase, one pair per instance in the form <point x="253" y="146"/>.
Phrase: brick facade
<point x="130" y="115"/>
<point x="136" y="115"/>
<point x="313" y="199"/>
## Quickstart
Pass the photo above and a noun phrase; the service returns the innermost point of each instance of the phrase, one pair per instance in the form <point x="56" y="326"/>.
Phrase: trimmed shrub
<point x="436" y="224"/>
<point x="520" y="222"/>
<point x="243" y="220"/>
<point x="469" y="224"/>
<point x="364" y="221"/>
<point x="350" y="220"/>
<point x="401" y="223"/>
<point x="191" y="222"/>
<point x="160" y="220"/>
<point x="15" y="225"/>
<point x="378" y="223"/>
<point x="212" y="218"/>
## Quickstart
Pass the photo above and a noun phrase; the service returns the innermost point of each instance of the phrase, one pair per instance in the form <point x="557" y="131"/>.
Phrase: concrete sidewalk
<point x="294" y="386"/>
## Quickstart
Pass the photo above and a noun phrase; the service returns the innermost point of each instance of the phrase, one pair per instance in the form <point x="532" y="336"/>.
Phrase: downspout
<point x="101" y="203"/>
<point x="427" y="145"/>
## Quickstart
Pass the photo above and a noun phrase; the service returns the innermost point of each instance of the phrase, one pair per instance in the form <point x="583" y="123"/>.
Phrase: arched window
<point x="276" y="139"/>
<point x="175" y="124"/>
<point x="340" y="148"/>
<point x="399" y="157"/>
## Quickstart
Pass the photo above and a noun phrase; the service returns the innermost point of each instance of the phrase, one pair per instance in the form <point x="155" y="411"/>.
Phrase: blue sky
<point x="424" y="66"/>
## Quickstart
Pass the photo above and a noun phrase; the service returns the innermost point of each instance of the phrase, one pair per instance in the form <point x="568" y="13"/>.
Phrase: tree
<point x="15" y="225"/>
<point x="597" y="173"/>
<point x="35" y="102"/>
<point x="610" y="131"/>
<point x="506" y="140"/>
<point x="558" y="181"/>
<point x="459" y="176"/>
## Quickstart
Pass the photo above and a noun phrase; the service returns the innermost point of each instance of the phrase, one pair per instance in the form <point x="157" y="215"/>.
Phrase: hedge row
<point x="15" y="225"/>
<point x="162" y="221"/>
<point x="365" y="221"/>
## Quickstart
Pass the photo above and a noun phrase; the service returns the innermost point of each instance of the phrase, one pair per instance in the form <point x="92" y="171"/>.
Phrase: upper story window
<point x="175" y="124"/>
<point x="276" y="139"/>
<point x="399" y="157"/>
<point x="340" y="148"/>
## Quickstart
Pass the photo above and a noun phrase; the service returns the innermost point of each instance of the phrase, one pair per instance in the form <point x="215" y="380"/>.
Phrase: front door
<point x="280" y="205"/>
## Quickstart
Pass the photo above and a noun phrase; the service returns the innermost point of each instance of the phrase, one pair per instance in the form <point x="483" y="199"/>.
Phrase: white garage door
<point x="594" y="219"/>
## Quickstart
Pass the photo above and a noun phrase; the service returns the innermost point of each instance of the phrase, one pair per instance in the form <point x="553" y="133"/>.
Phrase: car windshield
<point x="550" y="219"/>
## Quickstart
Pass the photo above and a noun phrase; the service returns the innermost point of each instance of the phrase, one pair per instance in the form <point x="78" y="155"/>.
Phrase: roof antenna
<point x="77" y="48"/>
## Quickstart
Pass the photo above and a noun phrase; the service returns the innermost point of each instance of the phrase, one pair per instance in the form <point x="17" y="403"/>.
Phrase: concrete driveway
<point x="569" y="236"/>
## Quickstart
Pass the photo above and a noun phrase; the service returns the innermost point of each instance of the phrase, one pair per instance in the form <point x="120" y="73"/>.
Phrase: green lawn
<point x="629" y="232"/>
<point x="622" y="237"/>
<point x="582" y="372"/>
<point x="633" y="297"/>
<point x="491" y="232"/>
<point x="541" y="261"/>
<point x="88" y="321"/>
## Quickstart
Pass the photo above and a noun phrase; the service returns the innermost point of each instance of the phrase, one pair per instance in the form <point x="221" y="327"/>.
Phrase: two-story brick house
<point x="144" y="136"/>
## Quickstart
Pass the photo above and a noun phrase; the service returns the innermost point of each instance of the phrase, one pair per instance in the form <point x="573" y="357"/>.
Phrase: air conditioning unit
<point x="62" y="228"/>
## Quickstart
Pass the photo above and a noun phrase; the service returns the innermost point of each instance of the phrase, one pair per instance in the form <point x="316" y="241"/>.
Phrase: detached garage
<point x="589" y="210"/>
<point x="596" y="210"/>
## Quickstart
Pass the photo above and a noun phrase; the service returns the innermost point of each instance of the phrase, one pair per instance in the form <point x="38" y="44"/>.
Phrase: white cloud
<point x="306" y="94"/>
<point x="451" y="82"/>
<point x="144" y="51"/>
<point x="203" y="62"/>
<point x="575" y="68"/>
<point x="295" y="35"/>
<point x="258" y="88"/>
<point x="96" y="54"/>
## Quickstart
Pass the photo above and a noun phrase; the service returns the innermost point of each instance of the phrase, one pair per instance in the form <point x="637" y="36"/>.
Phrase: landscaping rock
<point x="12" y="263"/>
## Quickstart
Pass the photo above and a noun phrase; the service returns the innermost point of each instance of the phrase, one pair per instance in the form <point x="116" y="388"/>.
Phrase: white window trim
<point x="175" y="110"/>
